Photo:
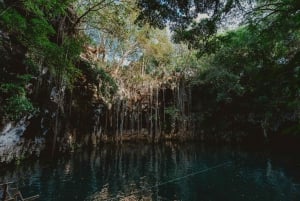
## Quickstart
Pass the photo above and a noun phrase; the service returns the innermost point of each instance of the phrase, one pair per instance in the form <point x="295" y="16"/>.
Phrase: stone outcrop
<point x="14" y="146"/>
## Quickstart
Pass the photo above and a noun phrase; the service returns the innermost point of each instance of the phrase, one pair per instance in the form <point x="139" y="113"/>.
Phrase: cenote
<point x="165" y="171"/>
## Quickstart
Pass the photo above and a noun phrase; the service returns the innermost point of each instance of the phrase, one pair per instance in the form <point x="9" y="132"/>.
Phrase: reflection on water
<point x="161" y="172"/>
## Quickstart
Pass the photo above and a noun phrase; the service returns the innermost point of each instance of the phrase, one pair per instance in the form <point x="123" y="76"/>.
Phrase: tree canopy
<point x="243" y="55"/>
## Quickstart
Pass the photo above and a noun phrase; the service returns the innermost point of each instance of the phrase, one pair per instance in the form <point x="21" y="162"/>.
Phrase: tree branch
<point x="93" y="8"/>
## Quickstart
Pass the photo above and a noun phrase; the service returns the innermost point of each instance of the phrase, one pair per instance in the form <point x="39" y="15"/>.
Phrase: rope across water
<point x="171" y="181"/>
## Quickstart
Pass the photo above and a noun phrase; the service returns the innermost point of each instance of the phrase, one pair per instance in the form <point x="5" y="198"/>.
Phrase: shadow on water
<point x="161" y="172"/>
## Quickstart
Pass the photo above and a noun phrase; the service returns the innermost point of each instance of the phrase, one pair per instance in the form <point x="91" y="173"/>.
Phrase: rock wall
<point x="13" y="144"/>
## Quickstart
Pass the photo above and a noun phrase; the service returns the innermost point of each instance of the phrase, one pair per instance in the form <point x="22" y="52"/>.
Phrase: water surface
<point x="161" y="172"/>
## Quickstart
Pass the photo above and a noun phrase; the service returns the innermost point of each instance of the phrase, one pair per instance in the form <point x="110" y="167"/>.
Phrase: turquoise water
<point x="161" y="172"/>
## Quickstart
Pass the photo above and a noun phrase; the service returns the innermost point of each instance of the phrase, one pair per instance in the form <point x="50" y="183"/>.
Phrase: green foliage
<point x="172" y="111"/>
<point x="10" y="89"/>
<point x="108" y="86"/>
<point x="37" y="35"/>
<point x="97" y="76"/>
<point x="48" y="9"/>
<point x="251" y="79"/>
<point x="61" y="60"/>
<point x="13" y="21"/>
<point x="31" y="42"/>
<point x="16" y="107"/>
<point x="248" y="75"/>
<point x="15" y="103"/>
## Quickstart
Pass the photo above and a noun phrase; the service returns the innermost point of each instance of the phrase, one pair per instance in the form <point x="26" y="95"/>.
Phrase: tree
<point x="248" y="75"/>
<point x="191" y="21"/>
<point x="252" y="79"/>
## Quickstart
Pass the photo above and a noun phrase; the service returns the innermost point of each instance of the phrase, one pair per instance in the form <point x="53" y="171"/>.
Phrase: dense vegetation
<point x="88" y="61"/>
<point x="249" y="78"/>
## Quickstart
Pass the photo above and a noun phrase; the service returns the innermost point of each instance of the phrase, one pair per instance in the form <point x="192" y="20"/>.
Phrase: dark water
<point x="161" y="172"/>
